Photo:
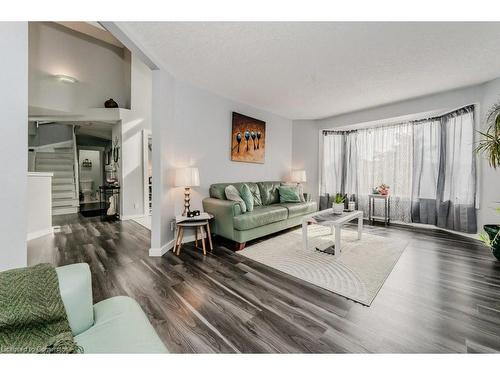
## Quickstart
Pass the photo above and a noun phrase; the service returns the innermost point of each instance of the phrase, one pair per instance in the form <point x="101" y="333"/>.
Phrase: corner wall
<point x="13" y="143"/>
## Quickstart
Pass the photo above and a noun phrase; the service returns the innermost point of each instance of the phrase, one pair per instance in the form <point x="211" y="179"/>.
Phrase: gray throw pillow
<point x="232" y="194"/>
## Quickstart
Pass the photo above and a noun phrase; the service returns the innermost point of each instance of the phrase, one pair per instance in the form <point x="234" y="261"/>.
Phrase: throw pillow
<point x="257" y="200"/>
<point x="232" y="194"/>
<point x="247" y="197"/>
<point x="300" y="189"/>
<point x="289" y="194"/>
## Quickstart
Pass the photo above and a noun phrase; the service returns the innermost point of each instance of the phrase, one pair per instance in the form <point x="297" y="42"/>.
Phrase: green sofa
<point x="115" y="325"/>
<point x="269" y="215"/>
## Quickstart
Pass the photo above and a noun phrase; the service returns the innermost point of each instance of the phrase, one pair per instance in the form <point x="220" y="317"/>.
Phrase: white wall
<point x="203" y="139"/>
<point x="102" y="70"/>
<point x="13" y="143"/>
<point x="139" y="118"/>
<point x="163" y="155"/>
<point x="39" y="204"/>
<point x="483" y="95"/>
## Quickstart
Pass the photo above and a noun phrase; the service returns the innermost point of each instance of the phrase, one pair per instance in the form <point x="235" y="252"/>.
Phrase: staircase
<point x="60" y="161"/>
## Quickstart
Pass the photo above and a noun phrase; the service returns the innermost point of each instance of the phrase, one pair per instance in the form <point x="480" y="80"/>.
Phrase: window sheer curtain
<point x="429" y="165"/>
<point x="385" y="156"/>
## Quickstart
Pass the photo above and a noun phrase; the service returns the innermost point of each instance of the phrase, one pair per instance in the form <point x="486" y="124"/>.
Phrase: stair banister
<point x="75" y="167"/>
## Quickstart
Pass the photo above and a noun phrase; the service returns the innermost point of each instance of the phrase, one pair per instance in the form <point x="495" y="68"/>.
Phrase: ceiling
<point x="304" y="70"/>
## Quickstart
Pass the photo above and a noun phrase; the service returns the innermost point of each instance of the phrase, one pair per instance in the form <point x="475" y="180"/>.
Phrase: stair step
<point x="49" y="161"/>
<point x="55" y="155"/>
<point x="64" y="210"/>
<point x="56" y="181"/>
<point x="65" y="202"/>
<point x="63" y="174"/>
<point x="53" y="167"/>
<point x="63" y="187"/>
<point x="63" y="194"/>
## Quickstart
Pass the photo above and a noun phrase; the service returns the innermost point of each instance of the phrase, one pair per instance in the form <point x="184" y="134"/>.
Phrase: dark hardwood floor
<point x="442" y="296"/>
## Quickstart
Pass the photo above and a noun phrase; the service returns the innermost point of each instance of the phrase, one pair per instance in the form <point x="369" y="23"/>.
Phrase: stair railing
<point x="75" y="167"/>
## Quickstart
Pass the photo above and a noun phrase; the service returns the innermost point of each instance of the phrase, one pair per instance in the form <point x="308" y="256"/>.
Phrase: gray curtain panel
<point x="444" y="172"/>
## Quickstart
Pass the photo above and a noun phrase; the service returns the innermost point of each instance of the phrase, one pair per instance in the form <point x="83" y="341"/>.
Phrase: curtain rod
<point x="467" y="108"/>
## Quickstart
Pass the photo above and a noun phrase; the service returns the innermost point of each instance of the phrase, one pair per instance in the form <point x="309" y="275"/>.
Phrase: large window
<point x="429" y="165"/>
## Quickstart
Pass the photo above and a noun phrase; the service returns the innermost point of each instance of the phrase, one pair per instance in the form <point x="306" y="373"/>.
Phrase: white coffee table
<point x="328" y="219"/>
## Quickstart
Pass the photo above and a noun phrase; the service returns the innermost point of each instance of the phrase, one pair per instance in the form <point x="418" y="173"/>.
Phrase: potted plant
<point x="492" y="237"/>
<point x="489" y="145"/>
<point x="338" y="204"/>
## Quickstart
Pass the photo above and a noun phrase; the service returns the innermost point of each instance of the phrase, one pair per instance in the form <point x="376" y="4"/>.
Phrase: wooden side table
<point x="201" y="227"/>
<point x="371" y="208"/>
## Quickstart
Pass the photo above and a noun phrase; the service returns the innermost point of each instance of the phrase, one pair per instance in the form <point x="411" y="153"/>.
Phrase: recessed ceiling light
<point x="65" y="78"/>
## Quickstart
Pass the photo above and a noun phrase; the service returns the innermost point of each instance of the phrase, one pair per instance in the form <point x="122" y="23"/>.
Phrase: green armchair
<point x="115" y="325"/>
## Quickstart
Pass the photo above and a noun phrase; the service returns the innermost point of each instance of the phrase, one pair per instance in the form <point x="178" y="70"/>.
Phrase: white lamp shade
<point x="299" y="175"/>
<point x="187" y="177"/>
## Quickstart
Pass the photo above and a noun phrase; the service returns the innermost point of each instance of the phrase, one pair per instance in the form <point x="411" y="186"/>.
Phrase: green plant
<point x="485" y="238"/>
<point x="338" y="198"/>
<point x="490" y="142"/>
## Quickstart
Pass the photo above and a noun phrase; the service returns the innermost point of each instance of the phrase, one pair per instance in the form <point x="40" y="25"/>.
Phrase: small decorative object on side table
<point x="187" y="178"/>
<point x="200" y="223"/>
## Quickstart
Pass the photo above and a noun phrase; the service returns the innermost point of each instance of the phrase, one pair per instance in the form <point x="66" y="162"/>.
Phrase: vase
<point x="338" y="208"/>
<point x="492" y="231"/>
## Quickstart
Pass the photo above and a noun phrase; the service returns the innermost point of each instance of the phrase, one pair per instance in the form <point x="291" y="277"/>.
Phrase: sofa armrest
<point x="224" y="211"/>
<point x="75" y="285"/>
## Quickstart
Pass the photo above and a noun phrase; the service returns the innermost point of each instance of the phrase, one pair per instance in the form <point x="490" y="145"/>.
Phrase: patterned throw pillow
<point x="247" y="197"/>
<point x="232" y="194"/>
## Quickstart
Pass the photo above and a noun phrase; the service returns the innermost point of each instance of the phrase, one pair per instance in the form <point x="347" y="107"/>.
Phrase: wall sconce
<point x="66" y="79"/>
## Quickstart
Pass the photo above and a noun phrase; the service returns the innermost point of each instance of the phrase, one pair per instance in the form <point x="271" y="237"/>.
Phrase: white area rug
<point x="358" y="273"/>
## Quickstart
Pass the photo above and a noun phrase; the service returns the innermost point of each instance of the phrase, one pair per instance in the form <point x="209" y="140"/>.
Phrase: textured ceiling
<point x="314" y="70"/>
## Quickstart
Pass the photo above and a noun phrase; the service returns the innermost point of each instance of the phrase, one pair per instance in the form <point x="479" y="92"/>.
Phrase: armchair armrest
<point x="75" y="286"/>
<point x="224" y="211"/>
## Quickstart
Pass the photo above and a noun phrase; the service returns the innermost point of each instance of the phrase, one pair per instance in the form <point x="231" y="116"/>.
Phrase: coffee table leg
<point x="337" y="240"/>
<point x="304" y="234"/>
<point x="360" y="226"/>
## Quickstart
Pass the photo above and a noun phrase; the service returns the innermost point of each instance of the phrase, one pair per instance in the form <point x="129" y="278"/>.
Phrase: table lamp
<point x="187" y="178"/>
<point x="299" y="175"/>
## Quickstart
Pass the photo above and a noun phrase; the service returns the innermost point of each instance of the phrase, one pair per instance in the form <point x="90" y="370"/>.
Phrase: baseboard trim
<point x="130" y="217"/>
<point x="159" y="251"/>
<point x="40" y="233"/>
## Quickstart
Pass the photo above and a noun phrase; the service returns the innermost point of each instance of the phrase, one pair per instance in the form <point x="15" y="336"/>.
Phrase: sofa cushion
<point x="298" y="209"/>
<point x="300" y="188"/>
<point x="247" y="197"/>
<point x="261" y="215"/>
<point x="232" y="194"/>
<point x="269" y="192"/>
<point x="289" y="194"/>
<point x="120" y="327"/>
<point x="218" y="190"/>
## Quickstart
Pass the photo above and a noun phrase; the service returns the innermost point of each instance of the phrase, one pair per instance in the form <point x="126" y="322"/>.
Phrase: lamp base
<point x="187" y="192"/>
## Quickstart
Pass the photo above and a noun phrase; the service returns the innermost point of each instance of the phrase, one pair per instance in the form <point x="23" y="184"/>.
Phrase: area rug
<point x="358" y="273"/>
